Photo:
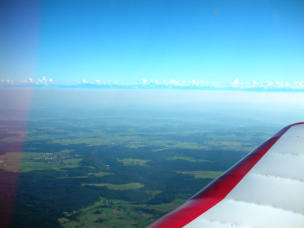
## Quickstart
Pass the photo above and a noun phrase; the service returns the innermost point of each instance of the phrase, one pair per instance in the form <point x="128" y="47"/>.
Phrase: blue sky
<point x="125" y="41"/>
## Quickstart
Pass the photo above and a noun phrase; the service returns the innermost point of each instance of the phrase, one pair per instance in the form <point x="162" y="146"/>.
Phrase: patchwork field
<point x="109" y="168"/>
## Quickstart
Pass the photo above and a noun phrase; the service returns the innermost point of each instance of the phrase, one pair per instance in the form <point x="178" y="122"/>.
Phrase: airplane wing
<point x="263" y="190"/>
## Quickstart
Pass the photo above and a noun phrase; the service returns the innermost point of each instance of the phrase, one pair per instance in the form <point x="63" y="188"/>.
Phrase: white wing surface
<point x="264" y="190"/>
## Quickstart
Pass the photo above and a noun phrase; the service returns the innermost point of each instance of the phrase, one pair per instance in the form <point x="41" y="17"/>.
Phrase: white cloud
<point x="30" y="80"/>
<point x="235" y="82"/>
<point x="144" y="81"/>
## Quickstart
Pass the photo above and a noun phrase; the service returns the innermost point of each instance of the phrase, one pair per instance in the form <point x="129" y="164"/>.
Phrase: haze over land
<point x="122" y="158"/>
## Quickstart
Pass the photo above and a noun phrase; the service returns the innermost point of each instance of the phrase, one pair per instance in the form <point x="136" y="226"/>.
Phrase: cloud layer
<point x="235" y="84"/>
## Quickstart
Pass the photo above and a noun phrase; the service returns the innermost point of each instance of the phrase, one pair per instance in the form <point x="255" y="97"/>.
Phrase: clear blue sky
<point x="126" y="40"/>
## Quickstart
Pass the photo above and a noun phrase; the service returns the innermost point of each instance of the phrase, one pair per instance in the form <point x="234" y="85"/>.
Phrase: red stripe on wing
<point x="216" y="190"/>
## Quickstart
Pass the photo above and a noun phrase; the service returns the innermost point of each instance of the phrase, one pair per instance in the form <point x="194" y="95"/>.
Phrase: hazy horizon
<point x="268" y="107"/>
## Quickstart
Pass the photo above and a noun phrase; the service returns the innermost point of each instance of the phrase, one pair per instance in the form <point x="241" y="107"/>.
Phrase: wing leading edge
<point x="265" y="189"/>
